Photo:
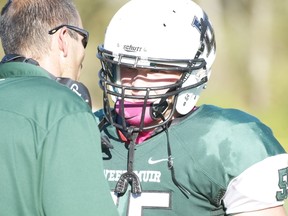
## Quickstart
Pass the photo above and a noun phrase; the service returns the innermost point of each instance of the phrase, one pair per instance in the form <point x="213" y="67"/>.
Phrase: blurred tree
<point x="260" y="53"/>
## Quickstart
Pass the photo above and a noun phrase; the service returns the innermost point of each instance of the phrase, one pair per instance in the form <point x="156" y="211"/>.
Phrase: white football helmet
<point x="170" y="35"/>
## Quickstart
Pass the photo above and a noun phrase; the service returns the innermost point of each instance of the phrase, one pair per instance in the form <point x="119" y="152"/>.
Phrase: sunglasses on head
<point x="82" y="32"/>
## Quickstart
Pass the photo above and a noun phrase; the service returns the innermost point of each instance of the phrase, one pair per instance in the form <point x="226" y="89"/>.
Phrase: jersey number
<point x="147" y="200"/>
<point x="283" y="184"/>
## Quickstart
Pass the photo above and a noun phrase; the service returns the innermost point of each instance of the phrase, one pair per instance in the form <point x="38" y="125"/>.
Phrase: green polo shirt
<point x="50" y="161"/>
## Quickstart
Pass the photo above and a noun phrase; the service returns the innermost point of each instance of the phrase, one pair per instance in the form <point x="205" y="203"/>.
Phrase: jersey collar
<point x="21" y="69"/>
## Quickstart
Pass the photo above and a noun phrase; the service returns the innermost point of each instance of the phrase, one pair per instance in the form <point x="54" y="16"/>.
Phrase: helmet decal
<point x="130" y="48"/>
<point x="207" y="33"/>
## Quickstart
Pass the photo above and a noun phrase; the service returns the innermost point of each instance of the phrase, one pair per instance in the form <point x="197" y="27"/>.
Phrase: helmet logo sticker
<point x="196" y="23"/>
<point x="131" y="48"/>
<point x="207" y="33"/>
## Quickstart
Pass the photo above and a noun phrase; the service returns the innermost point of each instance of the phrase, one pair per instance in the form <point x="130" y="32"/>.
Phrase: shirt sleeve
<point x="73" y="181"/>
<point x="261" y="186"/>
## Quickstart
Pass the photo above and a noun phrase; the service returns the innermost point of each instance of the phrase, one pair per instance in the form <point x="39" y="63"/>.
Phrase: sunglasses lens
<point x="80" y="31"/>
<point x="84" y="42"/>
<point x="84" y="35"/>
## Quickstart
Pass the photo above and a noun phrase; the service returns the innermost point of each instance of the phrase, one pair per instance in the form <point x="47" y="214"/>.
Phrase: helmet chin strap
<point x="130" y="176"/>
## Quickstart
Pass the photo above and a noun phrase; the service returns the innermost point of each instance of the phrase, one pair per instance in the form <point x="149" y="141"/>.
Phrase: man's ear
<point x="63" y="41"/>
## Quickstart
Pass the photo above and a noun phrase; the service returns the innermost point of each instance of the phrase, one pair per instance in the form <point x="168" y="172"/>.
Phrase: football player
<point x="163" y="155"/>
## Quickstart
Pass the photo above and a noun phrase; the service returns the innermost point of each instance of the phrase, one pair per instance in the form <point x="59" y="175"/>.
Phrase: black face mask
<point x="79" y="88"/>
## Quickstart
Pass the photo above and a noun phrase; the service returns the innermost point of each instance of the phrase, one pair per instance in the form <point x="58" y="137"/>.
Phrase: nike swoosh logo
<point x="150" y="161"/>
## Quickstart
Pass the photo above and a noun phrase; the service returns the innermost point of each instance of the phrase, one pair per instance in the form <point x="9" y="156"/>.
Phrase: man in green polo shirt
<point x="50" y="161"/>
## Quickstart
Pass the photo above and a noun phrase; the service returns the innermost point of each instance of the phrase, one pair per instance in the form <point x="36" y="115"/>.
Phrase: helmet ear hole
<point x="187" y="99"/>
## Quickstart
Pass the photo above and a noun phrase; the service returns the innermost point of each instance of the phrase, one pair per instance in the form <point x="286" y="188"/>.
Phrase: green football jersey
<point x="210" y="148"/>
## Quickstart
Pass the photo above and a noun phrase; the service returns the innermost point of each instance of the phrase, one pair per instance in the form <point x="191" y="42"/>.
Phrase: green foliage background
<point x="250" y="68"/>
